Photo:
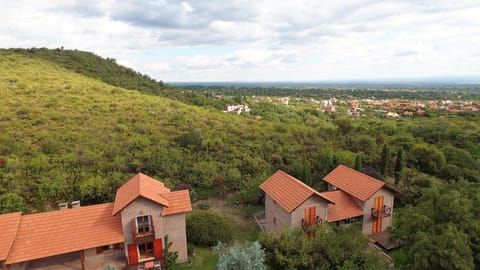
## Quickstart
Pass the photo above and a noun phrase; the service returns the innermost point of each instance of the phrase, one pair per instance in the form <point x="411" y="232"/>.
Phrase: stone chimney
<point x="63" y="206"/>
<point x="75" y="204"/>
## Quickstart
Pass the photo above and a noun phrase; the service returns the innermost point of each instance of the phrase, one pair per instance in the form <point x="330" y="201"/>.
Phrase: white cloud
<point x="264" y="40"/>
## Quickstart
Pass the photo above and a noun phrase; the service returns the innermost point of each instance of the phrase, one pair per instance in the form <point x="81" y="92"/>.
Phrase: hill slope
<point x="66" y="136"/>
<point x="106" y="70"/>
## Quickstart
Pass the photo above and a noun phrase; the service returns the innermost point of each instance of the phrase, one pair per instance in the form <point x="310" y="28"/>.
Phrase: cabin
<point x="351" y="197"/>
<point x="290" y="203"/>
<point x="129" y="233"/>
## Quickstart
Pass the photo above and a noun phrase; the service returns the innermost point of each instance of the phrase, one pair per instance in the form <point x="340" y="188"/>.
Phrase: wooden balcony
<point x="385" y="211"/>
<point x="143" y="234"/>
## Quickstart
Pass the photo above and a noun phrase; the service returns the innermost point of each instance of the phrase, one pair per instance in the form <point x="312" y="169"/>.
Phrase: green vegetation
<point x="207" y="229"/>
<point x="333" y="247"/>
<point x="246" y="256"/>
<point x="76" y="126"/>
<point x="106" y="70"/>
<point x="441" y="230"/>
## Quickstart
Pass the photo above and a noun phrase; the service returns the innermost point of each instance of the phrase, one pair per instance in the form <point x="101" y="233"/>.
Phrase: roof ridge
<point x="16" y="233"/>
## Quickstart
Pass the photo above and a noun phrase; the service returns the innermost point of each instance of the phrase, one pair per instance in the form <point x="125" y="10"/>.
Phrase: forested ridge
<point x="67" y="135"/>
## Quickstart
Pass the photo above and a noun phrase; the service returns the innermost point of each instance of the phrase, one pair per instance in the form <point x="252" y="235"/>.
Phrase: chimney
<point x="75" y="204"/>
<point x="63" y="206"/>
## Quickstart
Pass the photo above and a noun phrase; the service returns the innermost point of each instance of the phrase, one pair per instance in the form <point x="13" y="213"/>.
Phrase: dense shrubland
<point x="65" y="136"/>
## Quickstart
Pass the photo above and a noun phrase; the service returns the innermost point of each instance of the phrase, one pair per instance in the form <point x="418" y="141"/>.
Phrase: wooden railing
<point x="385" y="211"/>
<point x="147" y="231"/>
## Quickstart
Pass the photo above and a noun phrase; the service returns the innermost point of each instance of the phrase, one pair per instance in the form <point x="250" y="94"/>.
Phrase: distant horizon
<point x="435" y="80"/>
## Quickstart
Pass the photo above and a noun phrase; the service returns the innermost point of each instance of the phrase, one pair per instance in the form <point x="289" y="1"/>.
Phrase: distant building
<point x="238" y="109"/>
<point x="328" y="109"/>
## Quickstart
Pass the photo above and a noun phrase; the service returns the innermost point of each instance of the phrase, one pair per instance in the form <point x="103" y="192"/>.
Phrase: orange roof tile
<point x="140" y="185"/>
<point x="9" y="225"/>
<point x="179" y="202"/>
<point x="63" y="231"/>
<point x="288" y="191"/>
<point x="343" y="208"/>
<point x="354" y="182"/>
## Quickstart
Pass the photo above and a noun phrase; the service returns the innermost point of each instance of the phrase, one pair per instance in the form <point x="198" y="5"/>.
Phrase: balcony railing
<point x="306" y="224"/>
<point x="143" y="232"/>
<point x="385" y="211"/>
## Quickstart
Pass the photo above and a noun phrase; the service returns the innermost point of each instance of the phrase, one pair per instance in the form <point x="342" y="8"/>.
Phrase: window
<point x="274" y="221"/>
<point x="143" y="224"/>
<point x="145" y="250"/>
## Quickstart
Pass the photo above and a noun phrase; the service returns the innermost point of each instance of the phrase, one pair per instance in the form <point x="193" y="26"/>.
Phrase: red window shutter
<point x="132" y="254"/>
<point x="99" y="250"/>
<point x="158" y="248"/>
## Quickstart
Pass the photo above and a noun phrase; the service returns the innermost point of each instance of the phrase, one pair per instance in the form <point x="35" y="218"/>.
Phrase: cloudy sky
<point x="271" y="40"/>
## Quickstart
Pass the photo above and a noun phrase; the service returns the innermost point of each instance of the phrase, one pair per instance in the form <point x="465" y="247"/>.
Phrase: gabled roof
<point x="288" y="191"/>
<point x="9" y="224"/>
<point x="179" y="202"/>
<point x="140" y="185"/>
<point x="146" y="187"/>
<point x="343" y="208"/>
<point x="63" y="231"/>
<point x="353" y="182"/>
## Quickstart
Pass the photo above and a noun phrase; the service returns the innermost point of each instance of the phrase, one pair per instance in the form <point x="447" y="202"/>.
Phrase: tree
<point x="358" y="163"/>
<point x="12" y="202"/>
<point x="332" y="247"/>
<point x="249" y="256"/>
<point x="426" y="158"/>
<point x="206" y="229"/>
<point x="442" y="230"/>
<point x="385" y="160"/>
<point x="399" y="165"/>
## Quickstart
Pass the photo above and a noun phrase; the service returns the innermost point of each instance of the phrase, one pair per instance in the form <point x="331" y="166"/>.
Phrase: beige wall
<point x="314" y="201"/>
<point x="177" y="234"/>
<point x="291" y="220"/>
<point x="173" y="225"/>
<point x="274" y="211"/>
<point x="388" y="199"/>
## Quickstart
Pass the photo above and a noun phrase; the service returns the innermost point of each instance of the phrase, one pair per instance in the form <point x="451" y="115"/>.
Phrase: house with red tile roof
<point x="351" y="197"/>
<point x="373" y="196"/>
<point x="129" y="231"/>
<point x="290" y="203"/>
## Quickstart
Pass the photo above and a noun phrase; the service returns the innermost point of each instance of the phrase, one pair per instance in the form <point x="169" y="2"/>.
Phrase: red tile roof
<point x="63" y="231"/>
<point x="9" y="226"/>
<point x="179" y="202"/>
<point x="144" y="186"/>
<point x="288" y="191"/>
<point x="140" y="185"/>
<point x="343" y="208"/>
<point x="353" y="182"/>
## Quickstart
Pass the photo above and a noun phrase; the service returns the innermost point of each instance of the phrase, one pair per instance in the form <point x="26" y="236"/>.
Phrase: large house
<point x="125" y="233"/>
<point x="351" y="196"/>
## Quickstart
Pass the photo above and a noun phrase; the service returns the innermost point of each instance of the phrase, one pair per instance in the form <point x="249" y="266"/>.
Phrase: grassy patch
<point x="398" y="255"/>
<point x="243" y="226"/>
<point x="203" y="259"/>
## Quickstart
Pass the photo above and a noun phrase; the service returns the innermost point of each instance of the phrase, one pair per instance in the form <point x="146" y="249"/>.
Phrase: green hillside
<point x="67" y="136"/>
<point x="94" y="66"/>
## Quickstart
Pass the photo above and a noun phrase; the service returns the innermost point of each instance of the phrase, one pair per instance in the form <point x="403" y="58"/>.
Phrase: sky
<point x="271" y="40"/>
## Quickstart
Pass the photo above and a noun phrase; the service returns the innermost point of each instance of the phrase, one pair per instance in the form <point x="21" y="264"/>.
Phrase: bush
<point x="206" y="229"/>
<point x="204" y="205"/>
<point x="249" y="256"/>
